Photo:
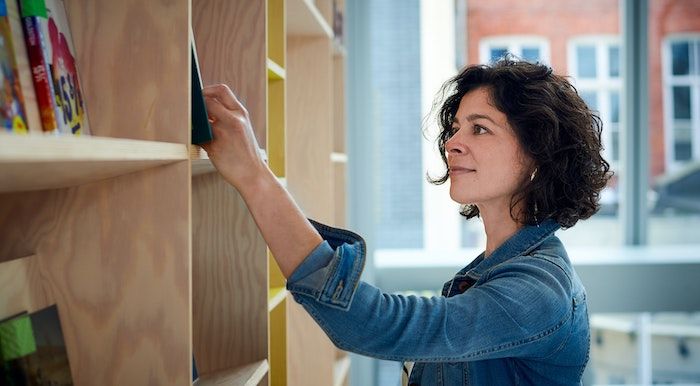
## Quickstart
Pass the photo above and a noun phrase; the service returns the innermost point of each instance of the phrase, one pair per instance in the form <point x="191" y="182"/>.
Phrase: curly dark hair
<point x="553" y="125"/>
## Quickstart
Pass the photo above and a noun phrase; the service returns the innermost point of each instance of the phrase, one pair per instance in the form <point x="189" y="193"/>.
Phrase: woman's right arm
<point x="515" y="314"/>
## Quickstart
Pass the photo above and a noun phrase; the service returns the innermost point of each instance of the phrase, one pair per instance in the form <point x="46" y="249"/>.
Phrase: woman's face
<point x="486" y="162"/>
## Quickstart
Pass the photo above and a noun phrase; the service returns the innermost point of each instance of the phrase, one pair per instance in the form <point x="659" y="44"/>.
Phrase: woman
<point x="522" y="152"/>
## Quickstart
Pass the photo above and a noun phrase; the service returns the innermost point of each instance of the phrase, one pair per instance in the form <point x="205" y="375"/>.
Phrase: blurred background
<point x="638" y="64"/>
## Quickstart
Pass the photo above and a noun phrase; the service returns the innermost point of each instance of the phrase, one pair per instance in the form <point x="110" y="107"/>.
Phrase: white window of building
<point x="594" y="63"/>
<point x="681" y="79"/>
<point x="525" y="47"/>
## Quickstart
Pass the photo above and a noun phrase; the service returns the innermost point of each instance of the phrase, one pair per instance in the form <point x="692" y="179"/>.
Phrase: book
<point x="201" y="128"/>
<point x="12" y="112"/>
<point x="54" y="71"/>
<point x="33" y="350"/>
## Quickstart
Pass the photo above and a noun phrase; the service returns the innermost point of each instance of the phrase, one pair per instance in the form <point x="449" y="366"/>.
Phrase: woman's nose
<point x="454" y="145"/>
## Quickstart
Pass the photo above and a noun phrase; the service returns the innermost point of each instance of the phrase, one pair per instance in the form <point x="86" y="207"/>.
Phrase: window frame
<point x="668" y="82"/>
<point x="514" y="43"/>
<point x="603" y="85"/>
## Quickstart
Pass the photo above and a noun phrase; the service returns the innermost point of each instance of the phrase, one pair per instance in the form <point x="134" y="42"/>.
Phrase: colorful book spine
<point x="43" y="88"/>
<point x="52" y="58"/>
<point x="12" y="112"/>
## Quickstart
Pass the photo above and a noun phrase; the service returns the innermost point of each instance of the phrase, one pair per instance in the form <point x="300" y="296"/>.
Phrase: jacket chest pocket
<point x="439" y="374"/>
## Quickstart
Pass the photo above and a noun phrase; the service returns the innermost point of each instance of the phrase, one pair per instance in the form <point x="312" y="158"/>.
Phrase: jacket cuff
<point x="331" y="272"/>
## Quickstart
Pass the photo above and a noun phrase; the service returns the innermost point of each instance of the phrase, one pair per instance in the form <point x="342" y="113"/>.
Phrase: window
<point x="681" y="70"/>
<point x="529" y="48"/>
<point x="594" y="63"/>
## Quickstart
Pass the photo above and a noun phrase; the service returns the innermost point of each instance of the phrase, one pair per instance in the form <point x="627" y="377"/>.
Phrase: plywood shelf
<point x="304" y="19"/>
<point x="37" y="162"/>
<point x="341" y="370"/>
<point x="339" y="157"/>
<point x="248" y="375"/>
<point x="276" y="297"/>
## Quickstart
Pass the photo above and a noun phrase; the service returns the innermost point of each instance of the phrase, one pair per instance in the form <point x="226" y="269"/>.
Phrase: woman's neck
<point x="499" y="227"/>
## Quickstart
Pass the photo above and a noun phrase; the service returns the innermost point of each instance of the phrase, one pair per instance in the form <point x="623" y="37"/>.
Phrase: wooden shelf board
<point x="248" y="375"/>
<point x="35" y="162"/>
<point x="341" y="370"/>
<point x="276" y="297"/>
<point x="339" y="157"/>
<point x="304" y="19"/>
<point x="339" y="50"/>
<point x="201" y="164"/>
<point x="275" y="71"/>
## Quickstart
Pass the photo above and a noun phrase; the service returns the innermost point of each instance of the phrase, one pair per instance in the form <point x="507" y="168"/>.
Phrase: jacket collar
<point x="521" y="243"/>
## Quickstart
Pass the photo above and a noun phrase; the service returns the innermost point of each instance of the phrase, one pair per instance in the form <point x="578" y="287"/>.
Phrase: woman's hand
<point x="234" y="150"/>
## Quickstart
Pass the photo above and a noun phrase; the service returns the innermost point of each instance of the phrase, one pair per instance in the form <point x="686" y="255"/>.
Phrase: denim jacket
<point x="518" y="317"/>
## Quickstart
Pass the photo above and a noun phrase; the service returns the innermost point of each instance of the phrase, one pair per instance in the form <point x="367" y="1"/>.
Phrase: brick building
<point x="582" y="39"/>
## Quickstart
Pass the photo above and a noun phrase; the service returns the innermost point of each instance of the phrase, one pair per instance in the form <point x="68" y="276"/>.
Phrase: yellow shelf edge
<point x="247" y="375"/>
<point x="275" y="71"/>
<point x="276" y="297"/>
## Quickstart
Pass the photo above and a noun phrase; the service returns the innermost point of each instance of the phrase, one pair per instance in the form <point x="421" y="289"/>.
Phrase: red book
<point x="54" y="72"/>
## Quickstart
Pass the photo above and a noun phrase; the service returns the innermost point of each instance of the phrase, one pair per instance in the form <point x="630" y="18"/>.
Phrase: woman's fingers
<point x="223" y="94"/>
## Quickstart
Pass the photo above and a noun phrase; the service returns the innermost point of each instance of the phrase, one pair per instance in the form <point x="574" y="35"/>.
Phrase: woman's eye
<point x="480" y="129"/>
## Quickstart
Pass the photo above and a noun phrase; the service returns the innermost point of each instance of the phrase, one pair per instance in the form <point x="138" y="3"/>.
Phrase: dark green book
<point x="201" y="129"/>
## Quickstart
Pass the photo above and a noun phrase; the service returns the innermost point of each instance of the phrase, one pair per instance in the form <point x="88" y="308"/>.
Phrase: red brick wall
<point x="561" y="20"/>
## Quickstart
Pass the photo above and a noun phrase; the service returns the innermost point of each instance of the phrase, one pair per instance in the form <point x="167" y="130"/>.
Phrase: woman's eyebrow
<point x="474" y="117"/>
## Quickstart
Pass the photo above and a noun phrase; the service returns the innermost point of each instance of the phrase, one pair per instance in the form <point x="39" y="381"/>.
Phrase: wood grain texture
<point x="29" y="162"/>
<point x="339" y="193"/>
<point x="309" y="125"/>
<point x="339" y="125"/>
<point x="133" y="62"/>
<point x="229" y="278"/>
<point x="310" y="354"/>
<point x="247" y="375"/>
<point x="115" y="257"/>
<point x="21" y="287"/>
<point x="230" y="38"/>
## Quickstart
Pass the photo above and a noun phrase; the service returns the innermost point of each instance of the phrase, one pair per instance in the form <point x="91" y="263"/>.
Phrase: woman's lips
<point x="455" y="170"/>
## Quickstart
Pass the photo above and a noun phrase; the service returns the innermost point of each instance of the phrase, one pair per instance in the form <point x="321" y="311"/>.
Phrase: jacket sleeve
<point x="517" y="312"/>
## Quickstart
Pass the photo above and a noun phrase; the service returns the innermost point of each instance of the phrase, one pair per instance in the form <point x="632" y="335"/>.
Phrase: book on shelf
<point x="53" y="66"/>
<point x="12" y="111"/>
<point x="33" y="350"/>
<point x="201" y="129"/>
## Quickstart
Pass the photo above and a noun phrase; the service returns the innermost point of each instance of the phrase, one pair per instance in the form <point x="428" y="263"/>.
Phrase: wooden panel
<point x="304" y="19"/>
<point x="339" y="131"/>
<point x="310" y="354"/>
<point x="25" y="219"/>
<point x="339" y="193"/>
<point x="309" y="142"/>
<point x="230" y="38"/>
<point x="133" y="62"/>
<point x="21" y="287"/>
<point x="114" y="256"/>
<point x="229" y="275"/>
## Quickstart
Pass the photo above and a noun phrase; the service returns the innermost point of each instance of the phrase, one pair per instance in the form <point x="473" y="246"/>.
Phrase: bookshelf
<point x="150" y="256"/>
